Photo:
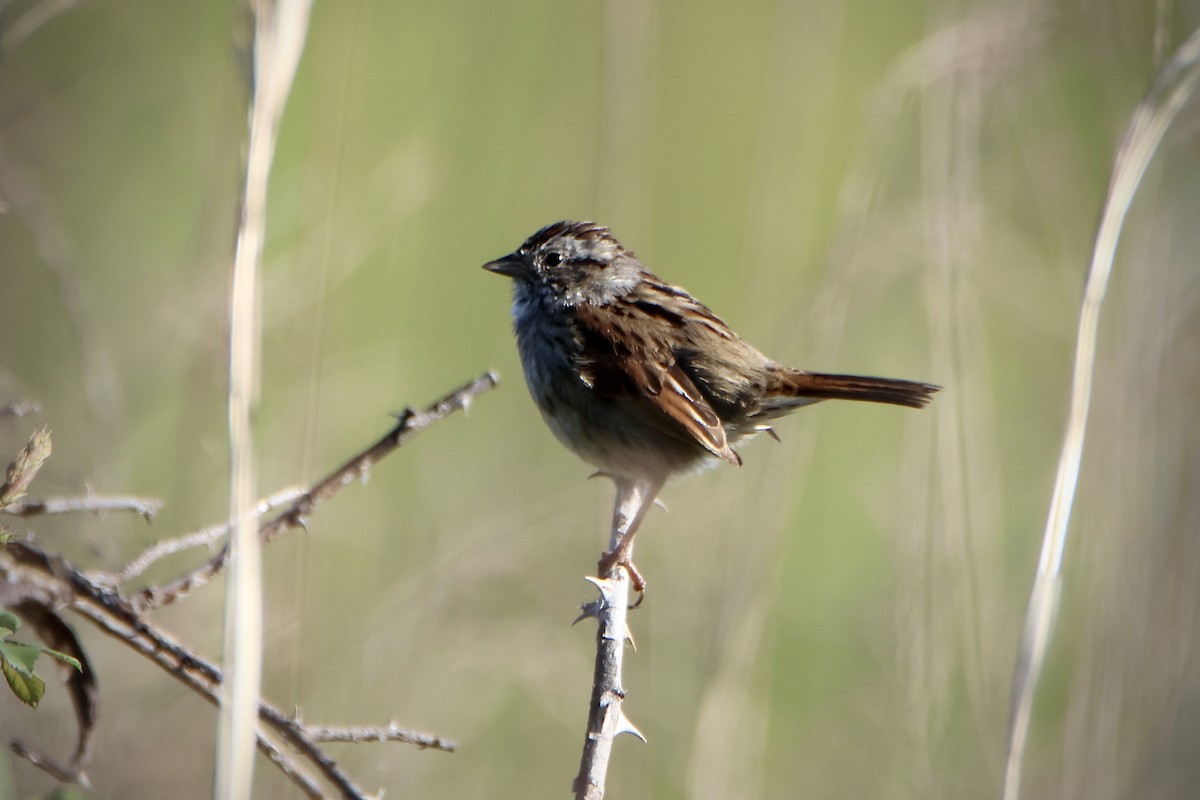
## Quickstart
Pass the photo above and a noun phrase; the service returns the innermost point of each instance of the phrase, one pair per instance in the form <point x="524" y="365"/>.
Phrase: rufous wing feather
<point x="676" y="395"/>
<point x="659" y="382"/>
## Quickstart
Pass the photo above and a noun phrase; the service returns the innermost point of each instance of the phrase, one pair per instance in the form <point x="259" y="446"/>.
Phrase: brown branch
<point x="55" y="581"/>
<point x="50" y="580"/>
<point x="145" y="507"/>
<point x="61" y="773"/>
<point x="194" y="672"/>
<point x="409" y="424"/>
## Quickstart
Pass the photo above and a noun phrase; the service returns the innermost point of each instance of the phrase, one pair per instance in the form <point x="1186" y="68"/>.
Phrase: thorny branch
<point x="606" y="719"/>
<point x="408" y="424"/>
<point x="389" y="733"/>
<point x="36" y="576"/>
<point x="54" y="582"/>
<point x="201" y="538"/>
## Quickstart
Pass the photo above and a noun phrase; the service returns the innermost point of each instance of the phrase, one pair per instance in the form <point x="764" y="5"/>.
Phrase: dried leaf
<point x="24" y="468"/>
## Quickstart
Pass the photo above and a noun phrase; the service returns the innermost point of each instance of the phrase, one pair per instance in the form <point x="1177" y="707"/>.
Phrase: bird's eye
<point x="553" y="259"/>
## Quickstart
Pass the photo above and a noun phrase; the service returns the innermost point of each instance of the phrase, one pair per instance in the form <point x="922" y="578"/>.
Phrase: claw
<point x="615" y="558"/>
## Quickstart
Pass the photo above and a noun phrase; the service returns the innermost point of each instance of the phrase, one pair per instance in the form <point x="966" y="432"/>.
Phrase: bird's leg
<point x="634" y="499"/>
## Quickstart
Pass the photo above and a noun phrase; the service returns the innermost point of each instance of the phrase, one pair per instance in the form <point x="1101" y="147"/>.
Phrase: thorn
<point x="586" y="610"/>
<point x="605" y="586"/>
<point x="625" y="726"/>
<point x="661" y="505"/>
<point x="629" y="637"/>
<point x="602" y="474"/>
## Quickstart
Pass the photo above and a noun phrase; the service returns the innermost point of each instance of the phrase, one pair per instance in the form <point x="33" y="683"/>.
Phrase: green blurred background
<point x="907" y="189"/>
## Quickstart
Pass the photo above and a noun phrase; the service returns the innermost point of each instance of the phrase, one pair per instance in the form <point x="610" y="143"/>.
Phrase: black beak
<point x="511" y="265"/>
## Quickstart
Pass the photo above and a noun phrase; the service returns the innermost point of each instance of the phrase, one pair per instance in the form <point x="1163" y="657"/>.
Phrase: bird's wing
<point x="635" y="361"/>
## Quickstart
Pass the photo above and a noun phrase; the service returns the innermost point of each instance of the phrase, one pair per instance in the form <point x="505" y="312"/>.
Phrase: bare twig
<point x="200" y="538"/>
<point x="409" y="424"/>
<point x="53" y="581"/>
<point x="50" y="580"/>
<point x="145" y="507"/>
<point x="391" y="733"/>
<point x="296" y="736"/>
<point x="60" y="772"/>
<point x="56" y="581"/>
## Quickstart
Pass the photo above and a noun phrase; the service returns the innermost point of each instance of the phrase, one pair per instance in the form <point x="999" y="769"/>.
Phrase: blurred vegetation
<point x="907" y="189"/>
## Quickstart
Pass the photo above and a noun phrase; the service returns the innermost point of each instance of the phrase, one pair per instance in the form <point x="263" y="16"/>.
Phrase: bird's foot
<point x="619" y="557"/>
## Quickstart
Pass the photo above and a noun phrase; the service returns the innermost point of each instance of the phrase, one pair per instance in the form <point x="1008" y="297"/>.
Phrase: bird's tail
<point x="797" y="386"/>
